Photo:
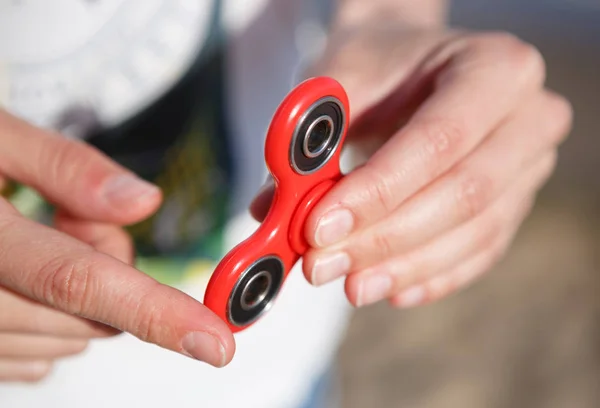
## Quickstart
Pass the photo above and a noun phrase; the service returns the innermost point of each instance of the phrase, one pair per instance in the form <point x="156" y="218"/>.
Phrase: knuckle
<point x="522" y="57"/>
<point x="66" y="284"/>
<point x="380" y="188"/>
<point x="63" y="161"/>
<point x="382" y="243"/>
<point x="442" y="138"/>
<point x="56" y="155"/>
<point x="473" y="195"/>
<point x="145" y="318"/>
<point x="145" y="327"/>
<point x="529" y="62"/>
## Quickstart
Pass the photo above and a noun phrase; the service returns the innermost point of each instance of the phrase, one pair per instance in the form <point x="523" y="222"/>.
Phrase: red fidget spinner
<point x="302" y="153"/>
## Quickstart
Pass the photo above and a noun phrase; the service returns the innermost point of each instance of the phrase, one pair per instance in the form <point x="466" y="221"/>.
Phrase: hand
<point x="458" y="135"/>
<point x="61" y="286"/>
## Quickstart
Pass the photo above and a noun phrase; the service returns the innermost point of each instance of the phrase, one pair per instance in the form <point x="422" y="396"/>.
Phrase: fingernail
<point x="411" y="297"/>
<point x="125" y="189"/>
<point x="204" y="347"/>
<point x="333" y="227"/>
<point x="329" y="268"/>
<point x="374" y="288"/>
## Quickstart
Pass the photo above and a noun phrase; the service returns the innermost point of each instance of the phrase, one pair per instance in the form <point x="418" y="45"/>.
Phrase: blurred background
<point x="527" y="334"/>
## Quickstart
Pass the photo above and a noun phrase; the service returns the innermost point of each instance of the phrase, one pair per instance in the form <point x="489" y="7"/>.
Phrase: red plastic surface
<point x="282" y="231"/>
<point x="296" y="232"/>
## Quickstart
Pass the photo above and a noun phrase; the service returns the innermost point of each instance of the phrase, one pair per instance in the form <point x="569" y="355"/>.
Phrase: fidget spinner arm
<point x="302" y="153"/>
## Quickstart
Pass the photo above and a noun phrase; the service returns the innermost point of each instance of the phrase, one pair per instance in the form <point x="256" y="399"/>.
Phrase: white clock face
<point x="111" y="56"/>
<point x="36" y="30"/>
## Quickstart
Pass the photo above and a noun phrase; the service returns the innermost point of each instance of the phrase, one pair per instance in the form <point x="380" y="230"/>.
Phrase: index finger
<point x="479" y="83"/>
<point x="60" y="271"/>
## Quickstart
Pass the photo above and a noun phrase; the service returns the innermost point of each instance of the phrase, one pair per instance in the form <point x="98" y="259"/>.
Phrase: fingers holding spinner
<point x="482" y="234"/>
<point x="460" y="195"/>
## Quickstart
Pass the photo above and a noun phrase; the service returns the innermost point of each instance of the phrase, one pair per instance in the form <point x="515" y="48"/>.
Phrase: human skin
<point x="63" y="285"/>
<point x="458" y="133"/>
